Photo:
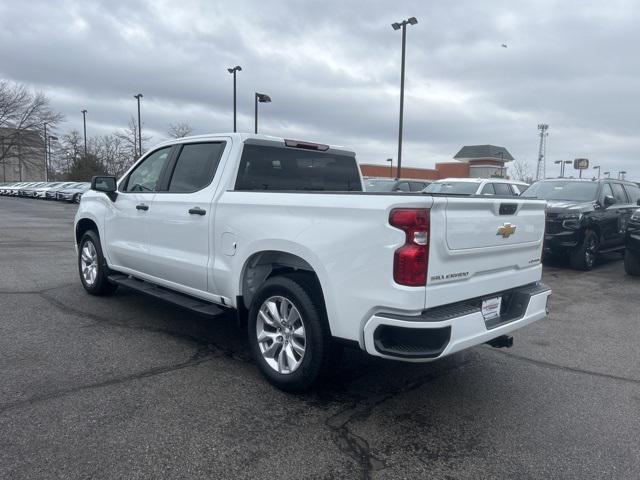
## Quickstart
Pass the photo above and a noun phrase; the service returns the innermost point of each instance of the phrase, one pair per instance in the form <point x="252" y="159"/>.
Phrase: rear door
<point x="182" y="219"/>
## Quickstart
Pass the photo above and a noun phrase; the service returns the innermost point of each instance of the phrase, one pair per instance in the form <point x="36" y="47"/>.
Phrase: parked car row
<point x="64" y="191"/>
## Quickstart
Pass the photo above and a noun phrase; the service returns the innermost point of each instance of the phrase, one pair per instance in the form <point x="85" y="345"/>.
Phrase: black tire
<point x="632" y="262"/>
<point x="100" y="285"/>
<point x="583" y="257"/>
<point x="321" y="354"/>
<point x="76" y="198"/>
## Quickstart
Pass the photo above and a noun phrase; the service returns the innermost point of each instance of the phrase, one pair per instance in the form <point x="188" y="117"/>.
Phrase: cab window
<point x="503" y="189"/>
<point x="195" y="167"/>
<point x="488" y="189"/>
<point x="146" y="176"/>
<point x="633" y="192"/>
<point x="618" y="193"/>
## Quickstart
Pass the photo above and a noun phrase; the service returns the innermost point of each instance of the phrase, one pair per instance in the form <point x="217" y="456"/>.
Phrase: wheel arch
<point x="84" y="225"/>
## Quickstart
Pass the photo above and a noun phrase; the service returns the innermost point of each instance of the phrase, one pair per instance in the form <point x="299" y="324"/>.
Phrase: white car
<point x="280" y="232"/>
<point x="477" y="186"/>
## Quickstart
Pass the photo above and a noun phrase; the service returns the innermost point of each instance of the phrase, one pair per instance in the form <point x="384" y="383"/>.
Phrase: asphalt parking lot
<point x="126" y="387"/>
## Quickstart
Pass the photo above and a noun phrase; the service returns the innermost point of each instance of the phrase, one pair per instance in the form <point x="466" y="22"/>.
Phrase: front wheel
<point x="632" y="262"/>
<point x="583" y="257"/>
<point x="92" y="266"/>
<point x="76" y="198"/>
<point x="289" y="334"/>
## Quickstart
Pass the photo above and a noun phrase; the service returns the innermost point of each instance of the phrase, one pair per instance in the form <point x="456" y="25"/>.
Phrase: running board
<point x="193" y="304"/>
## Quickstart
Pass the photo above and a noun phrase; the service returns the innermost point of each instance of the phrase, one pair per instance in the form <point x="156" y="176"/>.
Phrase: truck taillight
<point x="410" y="261"/>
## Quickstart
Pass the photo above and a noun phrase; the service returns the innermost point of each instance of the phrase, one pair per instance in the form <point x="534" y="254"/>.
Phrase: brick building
<point x="475" y="161"/>
<point x="21" y="155"/>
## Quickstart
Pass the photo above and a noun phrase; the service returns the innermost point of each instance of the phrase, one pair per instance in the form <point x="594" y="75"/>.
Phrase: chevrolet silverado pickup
<point x="280" y="232"/>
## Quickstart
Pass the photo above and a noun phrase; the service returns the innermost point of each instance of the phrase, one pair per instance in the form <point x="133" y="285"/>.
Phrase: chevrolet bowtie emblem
<point x="506" y="230"/>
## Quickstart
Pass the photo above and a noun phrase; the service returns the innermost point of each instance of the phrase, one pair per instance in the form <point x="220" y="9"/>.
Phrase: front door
<point x="126" y="230"/>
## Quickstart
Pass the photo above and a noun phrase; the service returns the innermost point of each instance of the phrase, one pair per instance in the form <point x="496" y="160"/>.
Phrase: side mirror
<point x="104" y="184"/>
<point x="608" y="201"/>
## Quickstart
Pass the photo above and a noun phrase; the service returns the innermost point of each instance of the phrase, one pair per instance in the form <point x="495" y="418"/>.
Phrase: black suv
<point x="585" y="217"/>
<point x="632" y="244"/>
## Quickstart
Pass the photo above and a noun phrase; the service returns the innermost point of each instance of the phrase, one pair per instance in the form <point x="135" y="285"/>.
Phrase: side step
<point x="193" y="304"/>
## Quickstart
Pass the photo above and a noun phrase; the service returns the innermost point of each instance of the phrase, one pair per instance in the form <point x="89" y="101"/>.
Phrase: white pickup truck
<point x="281" y="232"/>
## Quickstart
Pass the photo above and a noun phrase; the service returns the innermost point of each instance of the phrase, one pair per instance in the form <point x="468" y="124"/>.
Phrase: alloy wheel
<point x="89" y="263"/>
<point x="281" y="334"/>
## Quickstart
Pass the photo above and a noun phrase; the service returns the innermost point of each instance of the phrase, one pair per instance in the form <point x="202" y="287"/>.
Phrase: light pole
<point x="47" y="164"/>
<point x="233" y="71"/>
<point x="398" y="26"/>
<point x="46" y="171"/>
<point x="390" y="160"/>
<point x="597" y="167"/>
<point x="260" y="98"/>
<point x="608" y="174"/>
<point x="621" y="174"/>
<point x="84" y="123"/>
<point x="139" y="96"/>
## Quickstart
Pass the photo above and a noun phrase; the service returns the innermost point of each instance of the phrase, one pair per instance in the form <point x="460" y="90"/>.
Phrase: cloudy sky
<point x="332" y="68"/>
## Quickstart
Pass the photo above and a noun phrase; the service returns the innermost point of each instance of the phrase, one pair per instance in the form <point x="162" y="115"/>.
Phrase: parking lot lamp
<point x="621" y="174"/>
<point x="233" y="71"/>
<point x="397" y="26"/>
<point x="84" y="124"/>
<point x="390" y="160"/>
<point x="597" y="167"/>
<point x="260" y="98"/>
<point x="608" y="174"/>
<point x="139" y="96"/>
<point x="48" y="164"/>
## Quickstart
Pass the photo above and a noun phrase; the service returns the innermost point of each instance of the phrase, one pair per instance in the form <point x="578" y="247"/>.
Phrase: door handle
<point x="197" y="211"/>
<point x="142" y="206"/>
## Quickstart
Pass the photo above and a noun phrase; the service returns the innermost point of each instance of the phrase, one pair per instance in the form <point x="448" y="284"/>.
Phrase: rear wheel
<point x="583" y="257"/>
<point x="92" y="266"/>
<point x="632" y="262"/>
<point x="289" y="334"/>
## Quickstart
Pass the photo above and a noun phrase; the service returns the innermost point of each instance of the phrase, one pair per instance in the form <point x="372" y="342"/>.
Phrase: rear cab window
<point x="195" y="167"/>
<point x="633" y="192"/>
<point x="618" y="193"/>
<point x="503" y="189"/>
<point x="275" y="168"/>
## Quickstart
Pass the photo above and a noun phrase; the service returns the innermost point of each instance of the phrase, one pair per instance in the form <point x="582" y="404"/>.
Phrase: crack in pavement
<point x="357" y="447"/>
<point x="35" y="292"/>
<point x="200" y="356"/>
<point x="101" y="321"/>
<point x="555" y="366"/>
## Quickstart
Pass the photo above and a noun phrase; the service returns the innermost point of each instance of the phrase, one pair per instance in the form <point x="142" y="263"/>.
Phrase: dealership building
<point x="472" y="161"/>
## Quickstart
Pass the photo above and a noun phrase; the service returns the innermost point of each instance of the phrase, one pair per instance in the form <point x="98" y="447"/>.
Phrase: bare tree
<point x="129" y="138"/>
<point x="521" y="171"/>
<point x="23" y="111"/>
<point x="179" y="130"/>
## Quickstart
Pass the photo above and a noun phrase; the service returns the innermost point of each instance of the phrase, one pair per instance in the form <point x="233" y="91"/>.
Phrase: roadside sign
<point x="581" y="163"/>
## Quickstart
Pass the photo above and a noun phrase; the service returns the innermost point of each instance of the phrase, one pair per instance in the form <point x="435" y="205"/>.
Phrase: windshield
<point x="455" y="188"/>
<point x="380" y="185"/>
<point x="558" y="190"/>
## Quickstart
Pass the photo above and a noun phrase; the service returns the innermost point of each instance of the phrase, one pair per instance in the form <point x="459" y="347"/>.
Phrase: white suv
<point x="477" y="186"/>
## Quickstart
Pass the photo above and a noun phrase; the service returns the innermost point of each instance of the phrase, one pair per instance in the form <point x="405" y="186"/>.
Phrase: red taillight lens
<point x="411" y="261"/>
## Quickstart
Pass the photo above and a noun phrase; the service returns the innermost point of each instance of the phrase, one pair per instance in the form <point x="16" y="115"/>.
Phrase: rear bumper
<point x="441" y="331"/>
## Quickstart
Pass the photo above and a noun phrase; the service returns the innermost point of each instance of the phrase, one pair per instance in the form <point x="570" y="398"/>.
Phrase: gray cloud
<point x="332" y="69"/>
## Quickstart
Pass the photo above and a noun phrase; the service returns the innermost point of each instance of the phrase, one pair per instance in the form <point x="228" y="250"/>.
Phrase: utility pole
<point x="542" y="151"/>
<point x="139" y="96"/>
<point x="51" y="137"/>
<point x="398" y="26"/>
<point x="84" y="124"/>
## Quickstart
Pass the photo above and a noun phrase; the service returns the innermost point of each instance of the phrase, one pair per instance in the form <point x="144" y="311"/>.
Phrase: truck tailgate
<point x="490" y="245"/>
